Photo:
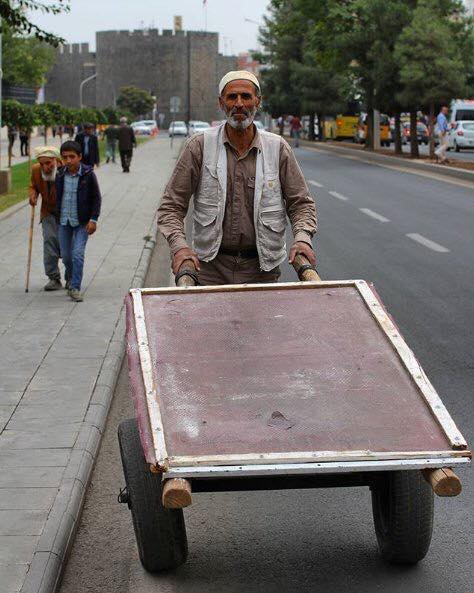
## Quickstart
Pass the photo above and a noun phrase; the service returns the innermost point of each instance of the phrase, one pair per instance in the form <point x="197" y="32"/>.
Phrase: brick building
<point x="186" y="64"/>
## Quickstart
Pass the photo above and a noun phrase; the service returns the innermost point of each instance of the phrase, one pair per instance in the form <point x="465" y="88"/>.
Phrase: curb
<point x="58" y="535"/>
<point x="388" y="160"/>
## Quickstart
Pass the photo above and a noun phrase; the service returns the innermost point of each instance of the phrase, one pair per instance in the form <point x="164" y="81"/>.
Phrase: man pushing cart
<point x="236" y="388"/>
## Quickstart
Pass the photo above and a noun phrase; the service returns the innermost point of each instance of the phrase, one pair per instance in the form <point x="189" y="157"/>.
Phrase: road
<point x="412" y="236"/>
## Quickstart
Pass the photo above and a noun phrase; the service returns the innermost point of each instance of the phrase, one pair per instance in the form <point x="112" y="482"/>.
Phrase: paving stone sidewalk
<point x="58" y="366"/>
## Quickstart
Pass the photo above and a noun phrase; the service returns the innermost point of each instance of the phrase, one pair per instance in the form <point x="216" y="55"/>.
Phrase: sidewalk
<point x="58" y="366"/>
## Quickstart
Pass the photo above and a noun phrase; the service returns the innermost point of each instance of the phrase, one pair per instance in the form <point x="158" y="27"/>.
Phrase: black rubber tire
<point x="160" y="533"/>
<point x="456" y="147"/>
<point x="403" y="508"/>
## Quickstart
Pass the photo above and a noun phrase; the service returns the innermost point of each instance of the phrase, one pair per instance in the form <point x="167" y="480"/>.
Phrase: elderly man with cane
<point x="43" y="175"/>
<point x="245" y="183"/>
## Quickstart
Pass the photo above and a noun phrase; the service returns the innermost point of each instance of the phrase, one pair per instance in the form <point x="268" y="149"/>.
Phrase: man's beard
<point x="240" y="125"/>
<point x="49" y="176"/>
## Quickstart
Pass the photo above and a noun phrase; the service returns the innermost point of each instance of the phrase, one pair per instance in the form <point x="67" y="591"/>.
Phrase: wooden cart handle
<point x="187" y="274"/>
<point x="305" y="271"/>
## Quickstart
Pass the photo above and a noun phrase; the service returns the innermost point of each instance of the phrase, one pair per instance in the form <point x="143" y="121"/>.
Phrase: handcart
<point x="279" y="386"/>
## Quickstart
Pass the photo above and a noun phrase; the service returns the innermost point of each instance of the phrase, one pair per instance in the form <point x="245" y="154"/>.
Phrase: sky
<point x="227" y="17"/>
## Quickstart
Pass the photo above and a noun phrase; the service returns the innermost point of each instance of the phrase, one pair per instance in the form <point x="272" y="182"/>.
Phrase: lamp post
<point x="81" y="86"/>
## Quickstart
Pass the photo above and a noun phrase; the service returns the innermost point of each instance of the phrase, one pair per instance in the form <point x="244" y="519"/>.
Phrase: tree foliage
<point x="25" y="60"/>
<point x="319" y="54"/>
<point x="137" y="101"/>
<point x="14" y="14"/>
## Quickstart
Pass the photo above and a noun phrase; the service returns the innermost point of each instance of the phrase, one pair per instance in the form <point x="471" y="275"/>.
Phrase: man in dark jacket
<point x="89" y="146"/>
<point x="126" y="142"/>
<point x="78" y="202"/>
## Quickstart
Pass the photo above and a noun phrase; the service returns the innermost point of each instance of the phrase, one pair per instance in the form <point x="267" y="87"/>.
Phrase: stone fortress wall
<point x="186" y="64"/>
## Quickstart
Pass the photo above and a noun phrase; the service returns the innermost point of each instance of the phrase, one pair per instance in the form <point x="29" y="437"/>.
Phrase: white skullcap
<point x="237" y="75"/>
<point x="47" y="151"/>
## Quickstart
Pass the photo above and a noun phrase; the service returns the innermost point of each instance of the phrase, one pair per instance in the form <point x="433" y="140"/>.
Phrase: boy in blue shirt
<point x="78" y="202"/>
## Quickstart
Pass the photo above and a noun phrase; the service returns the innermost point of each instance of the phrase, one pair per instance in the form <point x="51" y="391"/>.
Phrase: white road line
<point x="338" y="196"/>
<point x="315" y="183"/>
<point x="427" y="243"/>
<point x="373" y="214"/>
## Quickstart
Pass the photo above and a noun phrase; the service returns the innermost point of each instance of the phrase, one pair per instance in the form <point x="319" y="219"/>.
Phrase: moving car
<point x="461" y="136"/>
<point x="197" y="126"/>
<point x="145" y="127"/>
<point x="178" y="128"/>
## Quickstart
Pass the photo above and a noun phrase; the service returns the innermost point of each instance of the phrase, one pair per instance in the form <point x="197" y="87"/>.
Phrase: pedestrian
<point x="295" y="130"/>
<point x="12" y="134"/>
<point x="111" y="137"/>
<point x="78" y="205"/>
<point x="126" y="143"/>
<point x="24" y="143"/>
<point x="89" y="146"/>
<point x="281" y="124"/>
<point x="443" y="129"/>
<point x="42" y="183"/>
<point x="245" y="183"/>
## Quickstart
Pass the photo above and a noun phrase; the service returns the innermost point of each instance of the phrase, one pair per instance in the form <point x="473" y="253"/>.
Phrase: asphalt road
<point x="413" y="237"/>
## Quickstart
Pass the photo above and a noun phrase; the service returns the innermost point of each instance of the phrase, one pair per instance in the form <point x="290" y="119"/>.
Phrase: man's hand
<point x="304" y="249"/>
<point x="33" y="199"/>
<point x="182" y="255"/>
<point x="91" y="227"/>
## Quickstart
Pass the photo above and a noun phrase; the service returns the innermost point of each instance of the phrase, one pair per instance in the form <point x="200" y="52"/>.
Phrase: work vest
<point x="269" y="206"/>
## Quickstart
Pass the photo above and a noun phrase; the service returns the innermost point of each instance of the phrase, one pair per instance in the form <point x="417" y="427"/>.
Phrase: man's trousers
<point x="126" y="158"/>
<point x="51" y="251"/>
<point x="229" y="269"/>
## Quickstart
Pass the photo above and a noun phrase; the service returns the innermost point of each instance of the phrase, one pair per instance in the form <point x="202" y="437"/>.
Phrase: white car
<point x="259" y="125"/>
<point x="145" y="127"/>
<point x="197" y="126"/>
<point x="178" y="128"/>
<point x="461" y="135"/>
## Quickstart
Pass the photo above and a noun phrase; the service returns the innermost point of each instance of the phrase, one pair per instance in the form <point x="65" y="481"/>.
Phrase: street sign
<point x="175" y="103"/>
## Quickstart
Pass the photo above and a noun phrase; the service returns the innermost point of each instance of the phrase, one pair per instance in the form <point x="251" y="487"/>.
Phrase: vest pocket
<point x="272" y="233"/>
<point x="204" y="214"/>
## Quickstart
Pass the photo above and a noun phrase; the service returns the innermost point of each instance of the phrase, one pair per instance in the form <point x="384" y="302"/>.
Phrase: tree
<point x="45" y="117"/>
<point x="432" y="70"/>
<point x="15" y="15"/>
<point x="135" y="100"/>
<point x="26" y="60"/>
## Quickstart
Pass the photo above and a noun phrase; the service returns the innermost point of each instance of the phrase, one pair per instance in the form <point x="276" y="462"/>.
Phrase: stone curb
<point x="54" y="544"/>
<point x="385" y="159"/>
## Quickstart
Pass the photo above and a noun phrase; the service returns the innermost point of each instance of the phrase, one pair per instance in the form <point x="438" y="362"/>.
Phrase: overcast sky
<point x="227" y="17"/>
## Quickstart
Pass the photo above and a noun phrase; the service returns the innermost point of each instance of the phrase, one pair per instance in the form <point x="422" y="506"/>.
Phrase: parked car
<point x="422" y="132"/>
<point x="259" y="125"/>
<point x="217" y="122"/>
<point x="178" y="128"/>
<point x="197" y="126"/>
<point x="145" y="127"/>
<point x="461" y="135"/>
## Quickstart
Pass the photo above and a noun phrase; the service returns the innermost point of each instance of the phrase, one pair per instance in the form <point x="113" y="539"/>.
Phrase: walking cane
<point x="30" y="246"/>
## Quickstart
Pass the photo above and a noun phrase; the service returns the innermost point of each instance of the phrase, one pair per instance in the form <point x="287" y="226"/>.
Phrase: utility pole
<point x="81" y="86"/>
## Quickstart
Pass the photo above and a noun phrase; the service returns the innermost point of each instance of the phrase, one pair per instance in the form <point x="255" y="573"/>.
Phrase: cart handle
<point x="187" y="274"/>
<point x="306" y="272"/>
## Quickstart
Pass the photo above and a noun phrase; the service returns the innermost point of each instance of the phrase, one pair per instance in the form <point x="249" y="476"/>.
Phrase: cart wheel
<point x="402" y="505"/>
<point x="160" y="532"/>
